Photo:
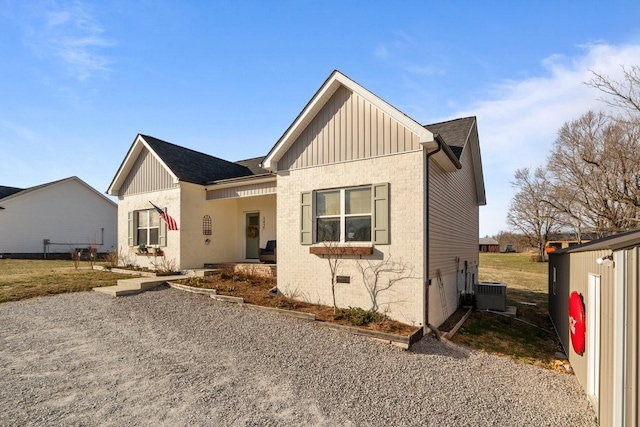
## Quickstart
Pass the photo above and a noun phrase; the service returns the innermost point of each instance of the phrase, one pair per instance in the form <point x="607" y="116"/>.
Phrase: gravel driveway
<point x="175" y="359"/>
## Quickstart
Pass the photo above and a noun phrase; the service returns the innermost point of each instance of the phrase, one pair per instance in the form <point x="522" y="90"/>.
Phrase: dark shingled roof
<point x="8" y="191"/>
<point x="193" y="166"/>
<point x="254" y="165"/>
<point x="454" y="132"/>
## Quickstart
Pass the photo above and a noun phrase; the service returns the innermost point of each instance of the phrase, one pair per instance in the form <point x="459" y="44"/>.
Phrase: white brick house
<point x="351" y="170"/>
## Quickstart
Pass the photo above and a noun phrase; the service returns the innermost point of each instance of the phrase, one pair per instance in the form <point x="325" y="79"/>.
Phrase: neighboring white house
<point x="54" y="218"/>
<point x="351" y="170"/>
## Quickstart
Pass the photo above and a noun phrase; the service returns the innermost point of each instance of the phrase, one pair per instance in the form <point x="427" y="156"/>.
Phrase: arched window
<point x="206" y="225"/>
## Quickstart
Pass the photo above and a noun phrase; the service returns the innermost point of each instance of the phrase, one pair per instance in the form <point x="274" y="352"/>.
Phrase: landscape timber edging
<point x="227" y="298"/>
<point x="284" y="312"/>
<point x="192" y="289"/>
<point x="403" y="341"/>
<point x="125" y="271"/>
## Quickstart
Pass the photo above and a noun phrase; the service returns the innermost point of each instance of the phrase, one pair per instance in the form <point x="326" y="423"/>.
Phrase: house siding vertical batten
<point x="147" y="175"/>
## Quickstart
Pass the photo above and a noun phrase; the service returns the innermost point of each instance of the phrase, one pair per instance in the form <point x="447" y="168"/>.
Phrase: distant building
<point x="55" y="218"/>
<point x="489" y="244"/>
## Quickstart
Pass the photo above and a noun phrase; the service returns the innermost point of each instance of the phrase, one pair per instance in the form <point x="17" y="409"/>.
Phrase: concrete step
<point x="118" y="291"/>
<point x="135" y="285"/>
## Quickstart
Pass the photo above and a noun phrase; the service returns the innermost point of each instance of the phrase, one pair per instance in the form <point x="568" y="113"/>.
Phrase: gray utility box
<point x="490" y="296"/>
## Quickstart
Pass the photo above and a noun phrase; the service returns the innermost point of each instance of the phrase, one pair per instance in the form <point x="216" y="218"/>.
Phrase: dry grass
<point x="526" y="284"/>
<point x="21" y="279"/>
<point x="255" y="289"/>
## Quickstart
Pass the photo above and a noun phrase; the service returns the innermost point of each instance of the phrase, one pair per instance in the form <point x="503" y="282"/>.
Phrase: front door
<point x="252" y="235"/>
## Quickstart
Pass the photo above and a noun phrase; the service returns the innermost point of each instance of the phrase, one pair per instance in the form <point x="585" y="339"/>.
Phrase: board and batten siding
<point x="243" y="191"/>
<point x="146" y="175"/>
<point x="348" y="127"/>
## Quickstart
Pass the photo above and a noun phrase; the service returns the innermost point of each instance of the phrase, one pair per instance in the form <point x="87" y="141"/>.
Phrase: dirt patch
<point x="254" y="289"/>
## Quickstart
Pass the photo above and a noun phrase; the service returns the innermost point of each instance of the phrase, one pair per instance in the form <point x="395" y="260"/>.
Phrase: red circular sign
<point x="577" y="325"/>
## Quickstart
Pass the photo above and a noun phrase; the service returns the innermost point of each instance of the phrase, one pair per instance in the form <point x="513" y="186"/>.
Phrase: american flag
<point x="171" y="223"/>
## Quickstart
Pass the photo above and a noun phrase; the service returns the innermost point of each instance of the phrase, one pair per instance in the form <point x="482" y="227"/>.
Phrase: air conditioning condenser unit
<point x="490" y="296"/>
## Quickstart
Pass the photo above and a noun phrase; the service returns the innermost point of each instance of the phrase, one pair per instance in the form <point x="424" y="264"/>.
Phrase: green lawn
<point x="527" y="291"/>
<point x="20" y="279"/>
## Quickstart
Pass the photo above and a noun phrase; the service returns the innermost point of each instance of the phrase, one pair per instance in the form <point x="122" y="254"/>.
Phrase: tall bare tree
<point x="596" y="174"/>
<point x="621" y="95"/>
<point x="530" y="213"/>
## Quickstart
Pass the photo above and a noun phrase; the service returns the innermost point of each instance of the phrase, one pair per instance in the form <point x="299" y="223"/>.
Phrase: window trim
<point x="343" y="215"/>
<point x="381" y="222"/>
<point x="133" y="227"/>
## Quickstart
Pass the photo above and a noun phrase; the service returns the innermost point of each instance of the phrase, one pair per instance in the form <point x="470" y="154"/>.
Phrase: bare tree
<point x="596" y="174"/>
<point x="529" y="212"/>
<point x="381" y="276"/>
<point x="334" y="252"/>
<point x="623" y="96"/>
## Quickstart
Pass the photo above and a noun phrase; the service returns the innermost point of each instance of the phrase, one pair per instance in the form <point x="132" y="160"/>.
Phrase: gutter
<point x="445" y="148"/>
<point x="234" y="182"/>
<point x="426" y="280"/>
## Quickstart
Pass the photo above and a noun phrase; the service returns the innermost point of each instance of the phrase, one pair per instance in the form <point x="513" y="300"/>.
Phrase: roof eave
<point x="235" y="182"/>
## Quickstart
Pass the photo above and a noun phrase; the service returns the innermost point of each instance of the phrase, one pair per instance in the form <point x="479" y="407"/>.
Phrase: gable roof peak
<point x="183" y="164"/>
<point x="336" y="80"/>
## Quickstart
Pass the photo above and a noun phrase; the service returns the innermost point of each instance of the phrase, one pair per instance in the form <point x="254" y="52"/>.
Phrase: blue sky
<point x="80" y="79"/>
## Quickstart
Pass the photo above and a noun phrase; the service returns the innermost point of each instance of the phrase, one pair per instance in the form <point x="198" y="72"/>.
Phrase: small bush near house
<point x="164" y="266"/>
<point x="358" y="316"/>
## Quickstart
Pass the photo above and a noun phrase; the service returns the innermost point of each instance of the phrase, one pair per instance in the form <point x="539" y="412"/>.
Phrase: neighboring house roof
<point x="183" y="164"/>
<point x="8" y="191"/>
<point x="488" y="241"/>
<point x="444" y="156"/>
<point x="30" y="190"/>
<point x="613" y="242"/>
<point x="454" y="132"/>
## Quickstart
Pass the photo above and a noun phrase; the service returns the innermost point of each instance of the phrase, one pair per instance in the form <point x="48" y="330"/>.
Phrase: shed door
<point x="593" y="341"/>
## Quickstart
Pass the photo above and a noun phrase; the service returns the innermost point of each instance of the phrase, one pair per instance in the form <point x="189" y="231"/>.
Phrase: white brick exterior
<point x="188" y="247"/>
<point x="308" y="277"/>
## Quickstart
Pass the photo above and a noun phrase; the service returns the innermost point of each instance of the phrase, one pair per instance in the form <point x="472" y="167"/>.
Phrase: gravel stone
<point x="172" y="358"/>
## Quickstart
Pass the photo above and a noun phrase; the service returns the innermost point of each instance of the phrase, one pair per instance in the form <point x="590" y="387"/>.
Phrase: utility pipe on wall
<point x="426" y="281"/>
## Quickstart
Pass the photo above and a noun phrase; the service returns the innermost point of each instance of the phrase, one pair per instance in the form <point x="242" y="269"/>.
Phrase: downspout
<point x="426" y="279"/>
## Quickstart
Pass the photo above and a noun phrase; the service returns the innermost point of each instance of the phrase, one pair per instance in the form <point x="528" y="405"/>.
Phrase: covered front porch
<point x="245" y="214"/>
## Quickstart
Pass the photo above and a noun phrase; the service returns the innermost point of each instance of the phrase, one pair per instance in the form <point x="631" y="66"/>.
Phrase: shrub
<point x="112" y="258"/>
<point x="164" y="266"/>
<point x="358" y="316"/>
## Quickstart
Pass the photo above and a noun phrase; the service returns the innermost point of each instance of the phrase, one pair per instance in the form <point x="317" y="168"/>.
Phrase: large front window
<point x="148" y="227"/>
<point x="343" y="215"/>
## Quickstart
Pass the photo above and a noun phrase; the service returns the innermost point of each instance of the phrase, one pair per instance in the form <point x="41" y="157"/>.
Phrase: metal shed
<point x="595" y="286"/>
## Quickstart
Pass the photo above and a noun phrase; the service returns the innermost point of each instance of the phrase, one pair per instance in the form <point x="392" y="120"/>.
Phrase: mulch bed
<point x="255" y="290"/>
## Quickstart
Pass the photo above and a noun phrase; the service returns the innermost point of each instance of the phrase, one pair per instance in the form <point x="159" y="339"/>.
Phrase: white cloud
<point x="519" y="122"/>
<point x="68" y="32"/>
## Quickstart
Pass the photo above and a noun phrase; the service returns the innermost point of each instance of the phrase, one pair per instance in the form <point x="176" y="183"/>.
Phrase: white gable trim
<point x="472" y="142"/>
<point x="335" y="80"/>
<point x="134" y="151"/>
<point x="26" y="192"/>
